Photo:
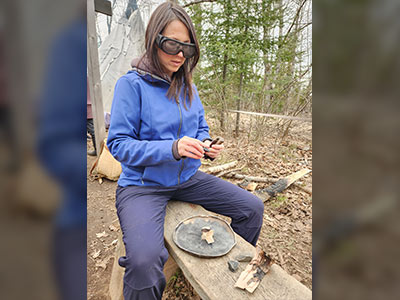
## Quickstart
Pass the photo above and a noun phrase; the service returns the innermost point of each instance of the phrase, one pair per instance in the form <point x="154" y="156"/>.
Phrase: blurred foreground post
<point x="94" y="69"/>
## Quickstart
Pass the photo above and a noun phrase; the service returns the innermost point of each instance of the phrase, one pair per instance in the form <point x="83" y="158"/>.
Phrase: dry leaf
<point x="101" y="265"/>
<point x="114" y="242"/>
<point x="102" y="234"/>
<point x="113" y="228"/>
<point x="104" y="262"/>
<point x="96" y="254"/>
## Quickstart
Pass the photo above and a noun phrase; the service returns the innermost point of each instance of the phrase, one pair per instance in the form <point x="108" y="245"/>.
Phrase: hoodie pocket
<point x="164" y="174"/>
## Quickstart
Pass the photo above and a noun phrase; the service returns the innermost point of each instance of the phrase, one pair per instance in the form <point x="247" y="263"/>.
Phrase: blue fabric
<point x="141" y="211"/>
<point x="69" y="262"/>
<point x="61" y="149"/>
<point x="61" y="143"/>
<point x="145" y="123"/>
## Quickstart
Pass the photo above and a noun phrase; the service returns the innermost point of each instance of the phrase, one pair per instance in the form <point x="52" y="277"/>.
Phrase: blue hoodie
<point x="144" y="125"/>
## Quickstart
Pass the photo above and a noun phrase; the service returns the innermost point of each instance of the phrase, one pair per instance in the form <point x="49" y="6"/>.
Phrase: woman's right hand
<point x="191" y="147"/>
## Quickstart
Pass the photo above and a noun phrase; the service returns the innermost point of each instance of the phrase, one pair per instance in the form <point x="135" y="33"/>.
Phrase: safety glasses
<point x="173" y="47"/>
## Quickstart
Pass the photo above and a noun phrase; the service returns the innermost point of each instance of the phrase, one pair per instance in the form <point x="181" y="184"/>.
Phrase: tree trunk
<point x="227" y="8"/>
<point x="222" y="116"/>
<point x="238" y="100"/>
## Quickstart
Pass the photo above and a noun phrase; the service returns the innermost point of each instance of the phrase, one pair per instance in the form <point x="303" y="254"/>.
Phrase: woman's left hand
<point x="215" y="150"/>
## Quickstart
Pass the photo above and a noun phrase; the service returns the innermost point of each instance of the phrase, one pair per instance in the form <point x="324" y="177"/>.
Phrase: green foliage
<point x="279" y="200"/>
<point x="240" y="43"/>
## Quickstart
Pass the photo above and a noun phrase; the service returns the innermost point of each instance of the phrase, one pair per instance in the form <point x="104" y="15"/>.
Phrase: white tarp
<point x="125" y="42"/>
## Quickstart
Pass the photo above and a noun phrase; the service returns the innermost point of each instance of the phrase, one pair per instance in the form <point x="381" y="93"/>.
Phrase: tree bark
<point x="238" y="100"/>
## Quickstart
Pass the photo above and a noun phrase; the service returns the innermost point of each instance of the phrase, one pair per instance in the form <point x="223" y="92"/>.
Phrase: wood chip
<point x="207" y="234"/>
<point x="251" y="277"/>
<point x="251" y="187"/>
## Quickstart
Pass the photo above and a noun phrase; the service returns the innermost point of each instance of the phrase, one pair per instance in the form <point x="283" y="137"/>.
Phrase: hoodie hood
<point x="144" y="67"/>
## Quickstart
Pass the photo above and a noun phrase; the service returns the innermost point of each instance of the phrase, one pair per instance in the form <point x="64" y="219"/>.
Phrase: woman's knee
<point x="142" y="261"/>
<point x="257" y="207"/>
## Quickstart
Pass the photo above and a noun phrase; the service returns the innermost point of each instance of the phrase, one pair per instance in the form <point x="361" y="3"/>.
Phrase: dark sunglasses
<point x="173" y="47"/>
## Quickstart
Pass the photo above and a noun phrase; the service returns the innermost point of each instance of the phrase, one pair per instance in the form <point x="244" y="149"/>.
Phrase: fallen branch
<point x="223" y="173"/>
<point x="220" y="168"/>
<point x="249" y="178"/>
<point x="308" y="191"/>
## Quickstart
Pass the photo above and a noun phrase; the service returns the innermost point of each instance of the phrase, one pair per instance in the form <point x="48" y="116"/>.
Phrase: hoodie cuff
<point x="175" y="151"/>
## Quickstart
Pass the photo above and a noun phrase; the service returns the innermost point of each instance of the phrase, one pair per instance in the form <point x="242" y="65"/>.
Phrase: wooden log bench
<point x="210" y="277"/>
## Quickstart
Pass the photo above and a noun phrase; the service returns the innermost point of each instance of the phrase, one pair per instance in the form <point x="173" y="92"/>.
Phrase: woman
<point x="158" y="133"/>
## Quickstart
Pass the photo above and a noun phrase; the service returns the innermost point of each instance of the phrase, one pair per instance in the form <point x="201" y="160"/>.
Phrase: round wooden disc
<point x="187" y="236"/>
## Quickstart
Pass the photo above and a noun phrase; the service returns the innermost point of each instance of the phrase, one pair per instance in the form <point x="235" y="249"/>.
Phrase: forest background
<point x="256" y="56"/>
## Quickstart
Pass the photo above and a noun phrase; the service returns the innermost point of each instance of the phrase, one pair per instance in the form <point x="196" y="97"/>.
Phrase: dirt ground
<point x="286" y="234"/>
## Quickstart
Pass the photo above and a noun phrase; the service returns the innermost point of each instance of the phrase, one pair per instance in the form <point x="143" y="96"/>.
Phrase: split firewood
<point x="280" y="185"/>
<point x="207" y="234"/>
<point x="220" y="168"/>
<point x="251" y="277"/>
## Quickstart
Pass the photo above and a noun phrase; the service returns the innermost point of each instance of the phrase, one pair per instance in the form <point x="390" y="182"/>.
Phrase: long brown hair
<point x="162" y="16"/>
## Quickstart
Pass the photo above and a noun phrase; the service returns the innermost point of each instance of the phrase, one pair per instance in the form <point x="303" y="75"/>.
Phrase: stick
<point x="250" y="178"/>
<point x="281" y="259"/>
<point x="220" y="168"/>
<point x="308" y="191"/>
<point x="229" y="171"/>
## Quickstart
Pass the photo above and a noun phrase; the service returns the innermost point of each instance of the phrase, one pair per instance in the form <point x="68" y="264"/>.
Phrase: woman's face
<point x="171" y="63"/>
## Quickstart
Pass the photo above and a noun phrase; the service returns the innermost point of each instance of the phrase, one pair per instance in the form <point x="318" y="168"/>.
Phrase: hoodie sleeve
<point x="123" y="136"/>
<point x="202" y="132"/>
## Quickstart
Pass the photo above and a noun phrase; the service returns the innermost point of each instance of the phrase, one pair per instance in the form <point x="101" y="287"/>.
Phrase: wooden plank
<point x="211" y="278"/>
<point x="117" y="274"/>
<point x="292" y="178"/>
<point x="103" y="6"/>
<point x="94" y="76"/>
